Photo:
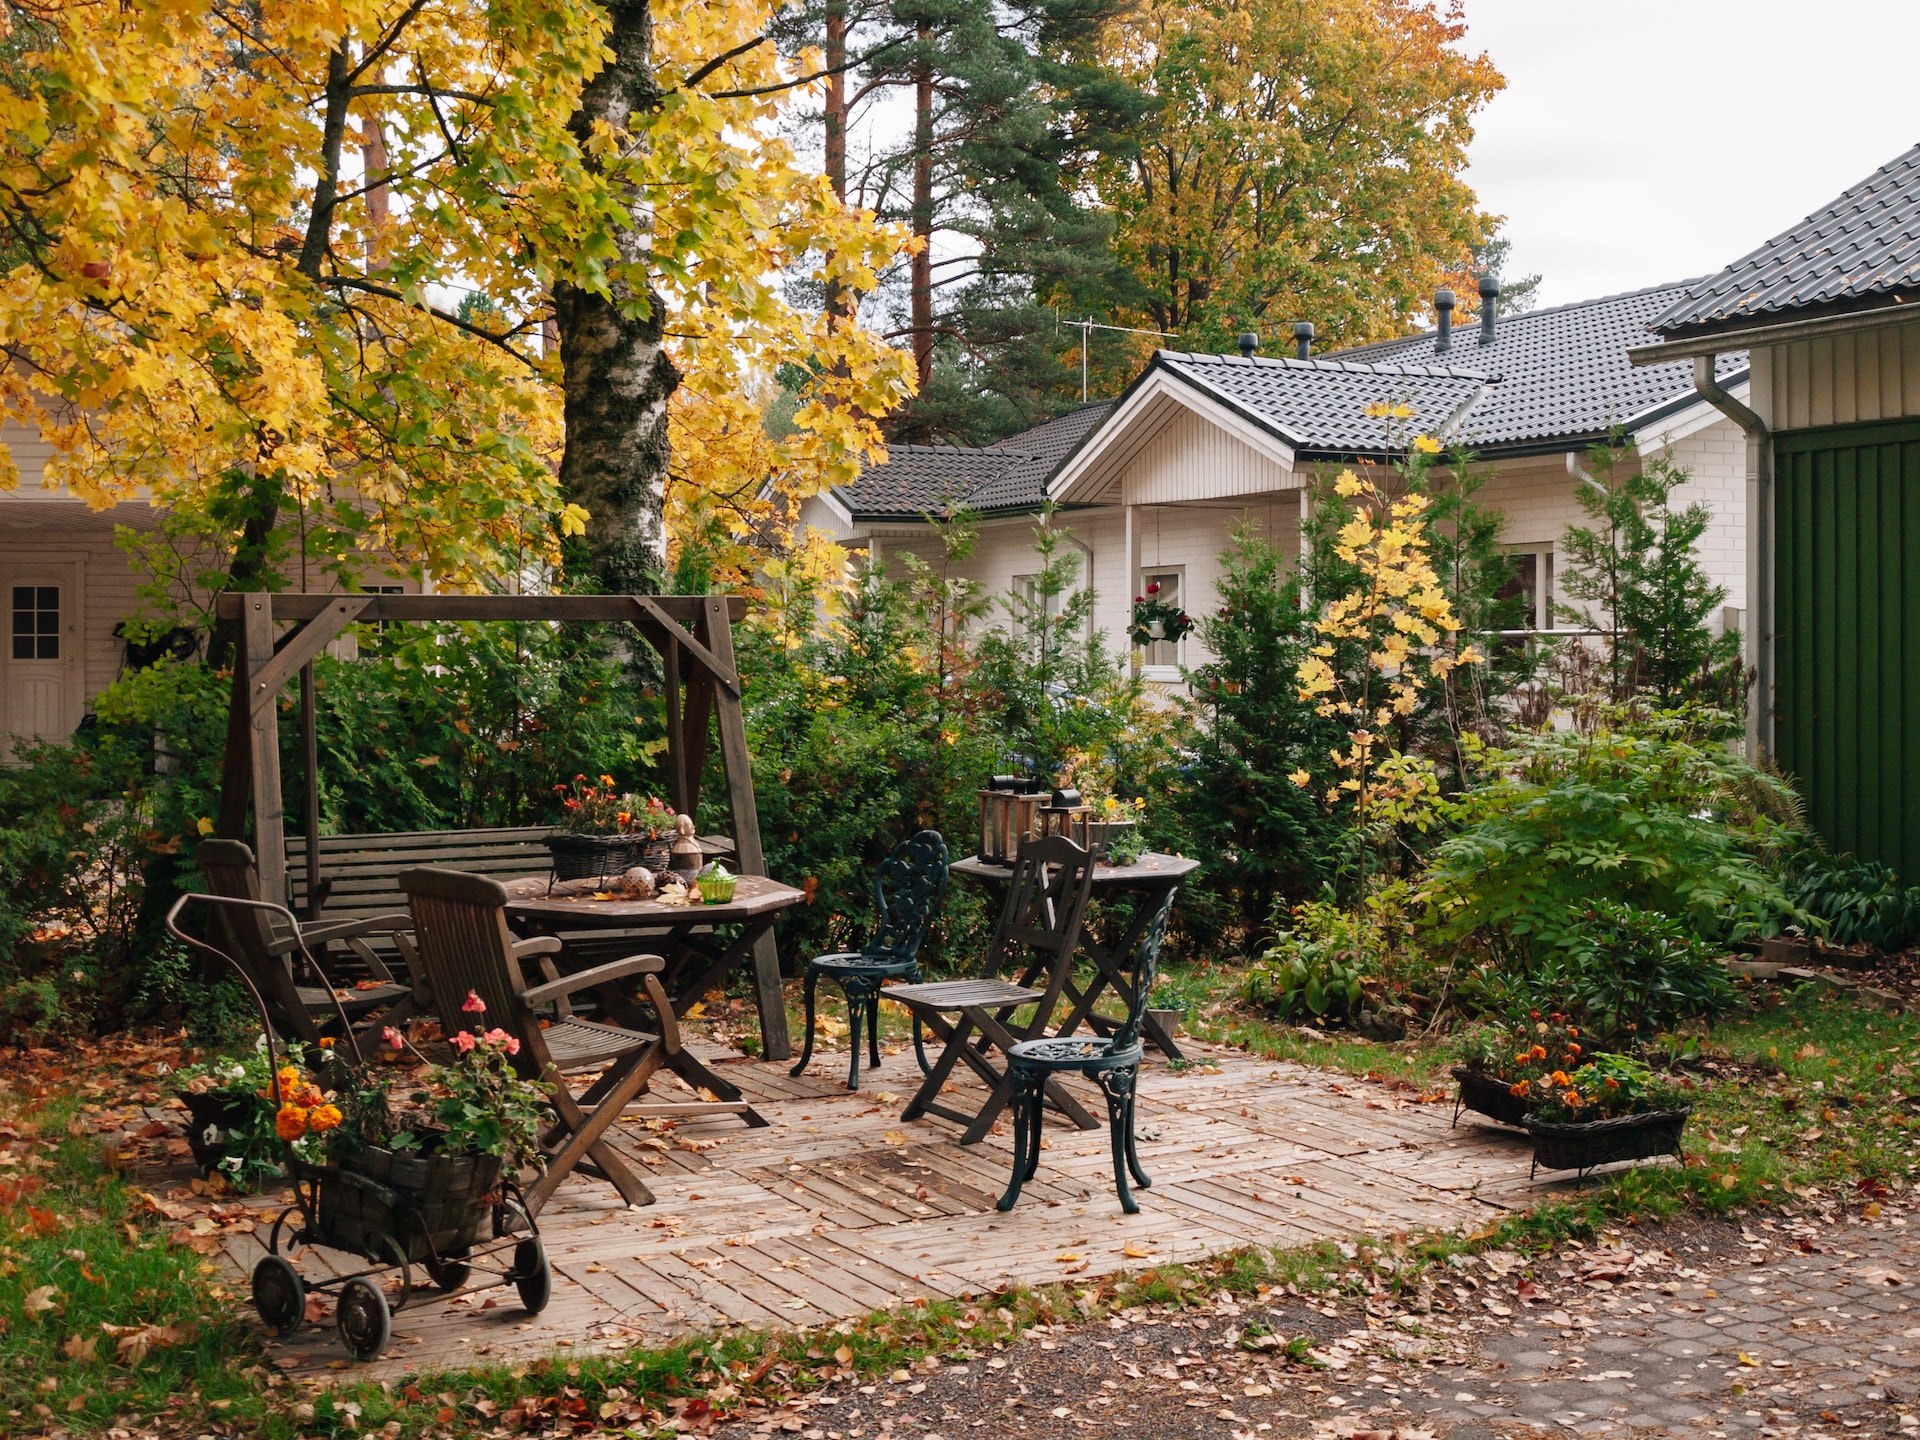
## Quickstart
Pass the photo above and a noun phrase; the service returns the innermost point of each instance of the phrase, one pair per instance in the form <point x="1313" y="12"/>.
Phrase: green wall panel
<point x="1847" y="641"/>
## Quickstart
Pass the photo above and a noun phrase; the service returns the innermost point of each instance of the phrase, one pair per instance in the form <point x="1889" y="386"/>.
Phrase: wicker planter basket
<point x="1489" y="1097"/>
<point x="1583" y="1145"/>
<point x="212" y="1119"/>
<point x="592" y="857"/>
<point x="408" y="1197"/>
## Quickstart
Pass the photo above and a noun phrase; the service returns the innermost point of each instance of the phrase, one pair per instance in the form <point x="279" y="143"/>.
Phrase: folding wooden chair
<point x="263" y="937"/>
<point x="465" y="949"/>
<point x="1045" y="905"/>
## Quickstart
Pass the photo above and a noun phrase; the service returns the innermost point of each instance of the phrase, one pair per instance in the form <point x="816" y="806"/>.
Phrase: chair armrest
<point x="537" y="945"/>
<point x="321" y="931"/>
<point x="598" y="975"/>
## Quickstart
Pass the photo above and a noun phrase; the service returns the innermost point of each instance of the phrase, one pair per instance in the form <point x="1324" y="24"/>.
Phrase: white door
<point x="44" y="695"/>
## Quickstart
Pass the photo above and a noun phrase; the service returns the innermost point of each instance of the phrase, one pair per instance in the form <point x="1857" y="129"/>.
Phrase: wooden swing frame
<point x="693" y="635"/>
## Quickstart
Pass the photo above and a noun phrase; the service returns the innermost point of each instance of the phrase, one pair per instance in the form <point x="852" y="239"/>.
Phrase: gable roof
<point x="1564" y="376"/>
<point x="1858" y="252"/>
<point x="920" y="480"/>
<point x="1318" y="407"/>
<point x="1551" y="380"/>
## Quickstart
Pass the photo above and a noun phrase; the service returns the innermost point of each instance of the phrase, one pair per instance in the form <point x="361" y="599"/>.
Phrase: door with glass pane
<point x="42" y="661"/>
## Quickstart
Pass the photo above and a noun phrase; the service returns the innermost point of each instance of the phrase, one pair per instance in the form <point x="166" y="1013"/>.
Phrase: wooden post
<point x="746" y="826"/>
<point x="676" y="738"/>
<point x="269" y="818"/>
<point x="310" y="758"/>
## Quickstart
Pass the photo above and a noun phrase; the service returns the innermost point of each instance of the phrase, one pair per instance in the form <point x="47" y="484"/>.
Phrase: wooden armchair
<point x="261" y="935"/>
<point x="465" y="950"/>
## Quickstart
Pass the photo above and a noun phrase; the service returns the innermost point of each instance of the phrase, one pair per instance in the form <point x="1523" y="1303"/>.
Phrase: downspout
<point x="1759" y="551"/>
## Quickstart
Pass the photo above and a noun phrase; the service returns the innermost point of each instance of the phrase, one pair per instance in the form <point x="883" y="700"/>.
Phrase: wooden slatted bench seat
<point x="360" y="874"/>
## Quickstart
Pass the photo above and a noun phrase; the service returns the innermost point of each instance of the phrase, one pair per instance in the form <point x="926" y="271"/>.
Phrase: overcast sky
<point x="1641" y="141"/>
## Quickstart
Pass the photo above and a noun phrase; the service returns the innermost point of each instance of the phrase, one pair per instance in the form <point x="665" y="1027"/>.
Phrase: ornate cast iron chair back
<point x="907" y="890"/>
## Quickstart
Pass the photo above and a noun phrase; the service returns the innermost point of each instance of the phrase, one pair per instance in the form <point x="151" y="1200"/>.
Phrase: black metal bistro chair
<point x="1112" y="1062"/>
<point x="908" y="888"/>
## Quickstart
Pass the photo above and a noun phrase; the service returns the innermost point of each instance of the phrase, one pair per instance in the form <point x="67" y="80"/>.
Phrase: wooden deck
<point x="839" y="1208"/>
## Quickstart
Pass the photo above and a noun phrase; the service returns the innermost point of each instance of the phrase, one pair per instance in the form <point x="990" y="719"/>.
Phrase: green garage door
<point x="1847" y="645"/>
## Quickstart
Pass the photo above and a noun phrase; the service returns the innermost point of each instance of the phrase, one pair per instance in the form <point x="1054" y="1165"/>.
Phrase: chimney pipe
<point x="1443" y="307"/>
<point x="1249" y="342"/>
<point x="1489" y="306"/>
<point x="1303" y="339"/>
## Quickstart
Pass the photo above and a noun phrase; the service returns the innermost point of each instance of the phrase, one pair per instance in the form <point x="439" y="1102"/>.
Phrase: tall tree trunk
<point x="922" y="271"/>
<point x="838" y="306"/>
<point x="617" y="375"/>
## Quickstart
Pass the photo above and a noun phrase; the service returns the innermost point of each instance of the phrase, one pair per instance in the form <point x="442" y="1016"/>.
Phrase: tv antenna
<point x="1086" y="328"/>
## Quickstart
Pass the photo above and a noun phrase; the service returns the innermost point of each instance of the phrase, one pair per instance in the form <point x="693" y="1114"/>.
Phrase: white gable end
<point x="1169" y="442"/>
<point x="1192" y="458"/>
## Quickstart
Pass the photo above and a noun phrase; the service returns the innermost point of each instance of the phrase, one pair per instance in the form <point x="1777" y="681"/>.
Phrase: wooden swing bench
<point x="347" y="877"/>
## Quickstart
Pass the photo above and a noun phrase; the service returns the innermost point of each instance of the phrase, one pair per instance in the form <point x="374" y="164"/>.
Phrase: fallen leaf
<point x="1136" y="1251"/>
<point x="39" y="1300"/>
<point x="1066" y="1257"/>
<point x="1746" y="1359"/>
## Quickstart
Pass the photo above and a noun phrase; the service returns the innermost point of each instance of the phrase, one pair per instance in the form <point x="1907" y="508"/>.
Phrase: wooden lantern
<point x="1065" y="816"/>
<point x="1006" y="818"/>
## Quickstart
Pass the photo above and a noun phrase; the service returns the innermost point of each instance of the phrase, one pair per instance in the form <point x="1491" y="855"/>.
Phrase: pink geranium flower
<point x="395" y="1040"/>
<point x="475" y="1005"/>
<point x="464" y="1041"/>
<point x="497" y="1036"/>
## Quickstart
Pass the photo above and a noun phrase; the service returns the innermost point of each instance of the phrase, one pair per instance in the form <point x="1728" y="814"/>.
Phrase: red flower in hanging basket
<point x="1153" y="588"/>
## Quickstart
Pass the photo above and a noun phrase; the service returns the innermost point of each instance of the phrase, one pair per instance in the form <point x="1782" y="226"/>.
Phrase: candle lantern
<point x="1064" y="815"/>
<point x="1007" y="816"/>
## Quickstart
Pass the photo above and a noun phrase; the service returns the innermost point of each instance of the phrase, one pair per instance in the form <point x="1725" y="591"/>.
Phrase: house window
<point x="381" y="626"/>
<point x="1027" y="590"/>
<point x="1163" y="652"/>
<point x="1532" y="582"/>
<point x="36" y="622"/>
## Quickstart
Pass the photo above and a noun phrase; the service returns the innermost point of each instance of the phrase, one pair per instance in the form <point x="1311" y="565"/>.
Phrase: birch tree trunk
<point x="617" y="375"/>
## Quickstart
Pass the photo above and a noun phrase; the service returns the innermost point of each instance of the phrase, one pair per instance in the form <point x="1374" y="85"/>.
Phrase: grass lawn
<point x="1802" y="1102"/>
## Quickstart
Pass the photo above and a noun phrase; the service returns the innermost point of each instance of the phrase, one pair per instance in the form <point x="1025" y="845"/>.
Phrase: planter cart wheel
<point x="532" y="1276"/>
<point x="449" y="1272"/>
<point x="364" y="1320"/>
<point x="279" y="1295"/>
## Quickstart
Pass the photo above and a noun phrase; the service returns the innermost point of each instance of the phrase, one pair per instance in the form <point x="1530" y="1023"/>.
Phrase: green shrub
<point x="1317" y="965"/>
<point x="1632" y="972"/>
<point x="1857" y="902"/>
<point x="1649" y="812"/>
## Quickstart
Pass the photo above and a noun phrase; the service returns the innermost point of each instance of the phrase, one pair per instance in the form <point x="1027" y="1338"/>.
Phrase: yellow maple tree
<point x="285" y="269"/>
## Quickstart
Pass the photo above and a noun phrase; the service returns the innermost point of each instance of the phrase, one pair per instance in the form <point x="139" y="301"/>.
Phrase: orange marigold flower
<point x="326" y="1042"/>
<point x="1572" y="1097"/>
<point x="1539" y="1052"/>
<point x="322" y="1118"/>
<point x="1612" y="1084"/>
<point x="1572" y="1031"/>
<point x="290" y="1123"/>
<point x="1573" y="1050"/>
<point x="1519" y="1087"/>
<point x="309" y="1096"/>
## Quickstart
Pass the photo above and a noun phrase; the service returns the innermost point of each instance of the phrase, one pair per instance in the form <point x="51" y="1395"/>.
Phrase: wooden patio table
<point x="1150" y="877"/>
<point x="696" y="962"/>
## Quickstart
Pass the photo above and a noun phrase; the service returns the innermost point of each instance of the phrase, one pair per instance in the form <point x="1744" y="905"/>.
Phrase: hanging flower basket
<point x="1492" y="1098"/>
<point x="1154" y="619"/>
<point x="432" y="1204"/>
<point x="588" y="857"/>
<point x="1582" y="1145"/>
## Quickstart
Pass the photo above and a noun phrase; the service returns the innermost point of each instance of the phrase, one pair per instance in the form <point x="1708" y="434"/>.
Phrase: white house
<point x="1151" y="485"/>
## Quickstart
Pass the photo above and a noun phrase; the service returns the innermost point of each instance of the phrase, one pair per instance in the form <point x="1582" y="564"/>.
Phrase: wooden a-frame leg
<point x="585" y="1135"/>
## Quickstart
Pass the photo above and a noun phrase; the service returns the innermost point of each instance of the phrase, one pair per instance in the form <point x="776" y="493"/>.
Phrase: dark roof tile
<point x="1862" y="249"/>
<point x="1563" y="372"/>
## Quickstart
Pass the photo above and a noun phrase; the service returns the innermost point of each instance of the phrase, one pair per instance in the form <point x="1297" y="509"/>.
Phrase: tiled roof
<point x="1564" y="375"/>
<point x="1859" y="252"/>
<point x="1320" y="405"/>
<point x="1551" y="379"/>
<point x="920" y="480"/>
